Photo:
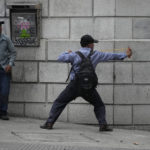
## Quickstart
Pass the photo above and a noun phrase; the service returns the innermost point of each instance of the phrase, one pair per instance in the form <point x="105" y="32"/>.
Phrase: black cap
<point x="1" y="22"/>
<point x="87" y="39"/>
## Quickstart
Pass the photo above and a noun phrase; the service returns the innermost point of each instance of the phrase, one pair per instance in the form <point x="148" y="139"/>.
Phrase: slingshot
<point x="113" y="50"/>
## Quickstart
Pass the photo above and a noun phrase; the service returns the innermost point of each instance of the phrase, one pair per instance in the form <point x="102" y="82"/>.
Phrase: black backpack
<point x="86" y="76"/>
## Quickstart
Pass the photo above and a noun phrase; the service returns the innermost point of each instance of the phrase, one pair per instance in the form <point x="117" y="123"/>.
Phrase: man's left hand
<point x="8" y="68"/>
<point x="129" y="52"/>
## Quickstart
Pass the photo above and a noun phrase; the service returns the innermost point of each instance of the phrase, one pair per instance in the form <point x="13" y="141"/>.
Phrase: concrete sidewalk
<point x="25" y="134"/>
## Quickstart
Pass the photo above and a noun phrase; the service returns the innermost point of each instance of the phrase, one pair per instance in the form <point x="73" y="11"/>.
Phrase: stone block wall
<point x="124" y="86"/>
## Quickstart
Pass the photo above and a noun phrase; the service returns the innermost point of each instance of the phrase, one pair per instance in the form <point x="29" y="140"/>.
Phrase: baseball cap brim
<point x="96" y="41"/>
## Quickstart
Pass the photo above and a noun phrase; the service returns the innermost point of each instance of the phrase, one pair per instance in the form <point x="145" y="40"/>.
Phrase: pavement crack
<point x="92" y="139"/>
<point x="15" y="134"/>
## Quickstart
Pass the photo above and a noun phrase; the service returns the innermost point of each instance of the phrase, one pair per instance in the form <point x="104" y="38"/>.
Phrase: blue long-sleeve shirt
<point x="7" y="51"/>
<point x="96" y="57"/>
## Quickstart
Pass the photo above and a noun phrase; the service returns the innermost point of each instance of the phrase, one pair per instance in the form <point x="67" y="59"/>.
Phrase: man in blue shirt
<point x="71" y="92"/>
<point x="7" y="58"/>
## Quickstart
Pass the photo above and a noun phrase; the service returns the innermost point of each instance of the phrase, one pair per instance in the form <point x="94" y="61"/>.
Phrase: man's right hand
<point x="129" y="52"/>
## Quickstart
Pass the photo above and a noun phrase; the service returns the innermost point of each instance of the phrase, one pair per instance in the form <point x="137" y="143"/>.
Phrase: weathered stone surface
<point x="32" y="53"/>
<point x="123" y="28"/>
<point x="104" y="7"/>
<point x="132" y="8"/>
<point x="100" y="28"/>
<point x="106" y="93"/>
<point x="55" y="48"/>
<point x="141" y="114"/>
<point x="70" y="8"/>
<point x="43" y="2"/>
<point x="105" y="72"/>
<point x="2" y="8"/>
<point x="123" y="72"/>
<point x="104" y="46"/>
<point x="141" y="28"/>
<point x="16" y="109"/>
<point x="132" y="94"/>
<point x="122" y="114"/>
<point x="104" y="28"/>
<point x="54" y="90"/>
<point x="54" y="28"/>
<point x="27" y="93"/>
<point x="81" y="26"/>
<point x="42" y="111"/>
<point x="140" y="49"/>
<point x="141" y="72"/>
<point x="83" y="113"/>
<point x="53" y="72"/>
<point x="25" y="72"/>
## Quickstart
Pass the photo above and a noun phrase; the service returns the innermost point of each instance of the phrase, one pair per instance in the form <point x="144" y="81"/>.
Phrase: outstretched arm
<point x="101" y="56"/>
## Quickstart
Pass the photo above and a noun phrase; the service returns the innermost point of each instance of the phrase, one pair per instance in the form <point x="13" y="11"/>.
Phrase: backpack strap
<point x="70" y="72"/>
<point x="81" y="55"/>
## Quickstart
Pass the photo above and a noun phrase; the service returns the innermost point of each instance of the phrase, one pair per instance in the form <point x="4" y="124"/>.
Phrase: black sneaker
<point x="104" y="128"/>
<point x="47" y="125"/>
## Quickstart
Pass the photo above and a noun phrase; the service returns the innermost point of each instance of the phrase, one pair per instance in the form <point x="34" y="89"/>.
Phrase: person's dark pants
<point x="70" y="93"/>
<point x="4" y="91"/>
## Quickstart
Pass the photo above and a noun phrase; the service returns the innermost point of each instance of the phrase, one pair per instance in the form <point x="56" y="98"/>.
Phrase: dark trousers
<point x="70" y="93"/>
<point x="4" y="91"/>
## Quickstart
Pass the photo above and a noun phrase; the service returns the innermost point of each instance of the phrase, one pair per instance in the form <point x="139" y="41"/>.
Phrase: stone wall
<point x="124" y="86"/>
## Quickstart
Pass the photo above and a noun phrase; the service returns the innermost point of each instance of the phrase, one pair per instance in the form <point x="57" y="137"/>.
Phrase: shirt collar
<point x="85" y="49"/>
